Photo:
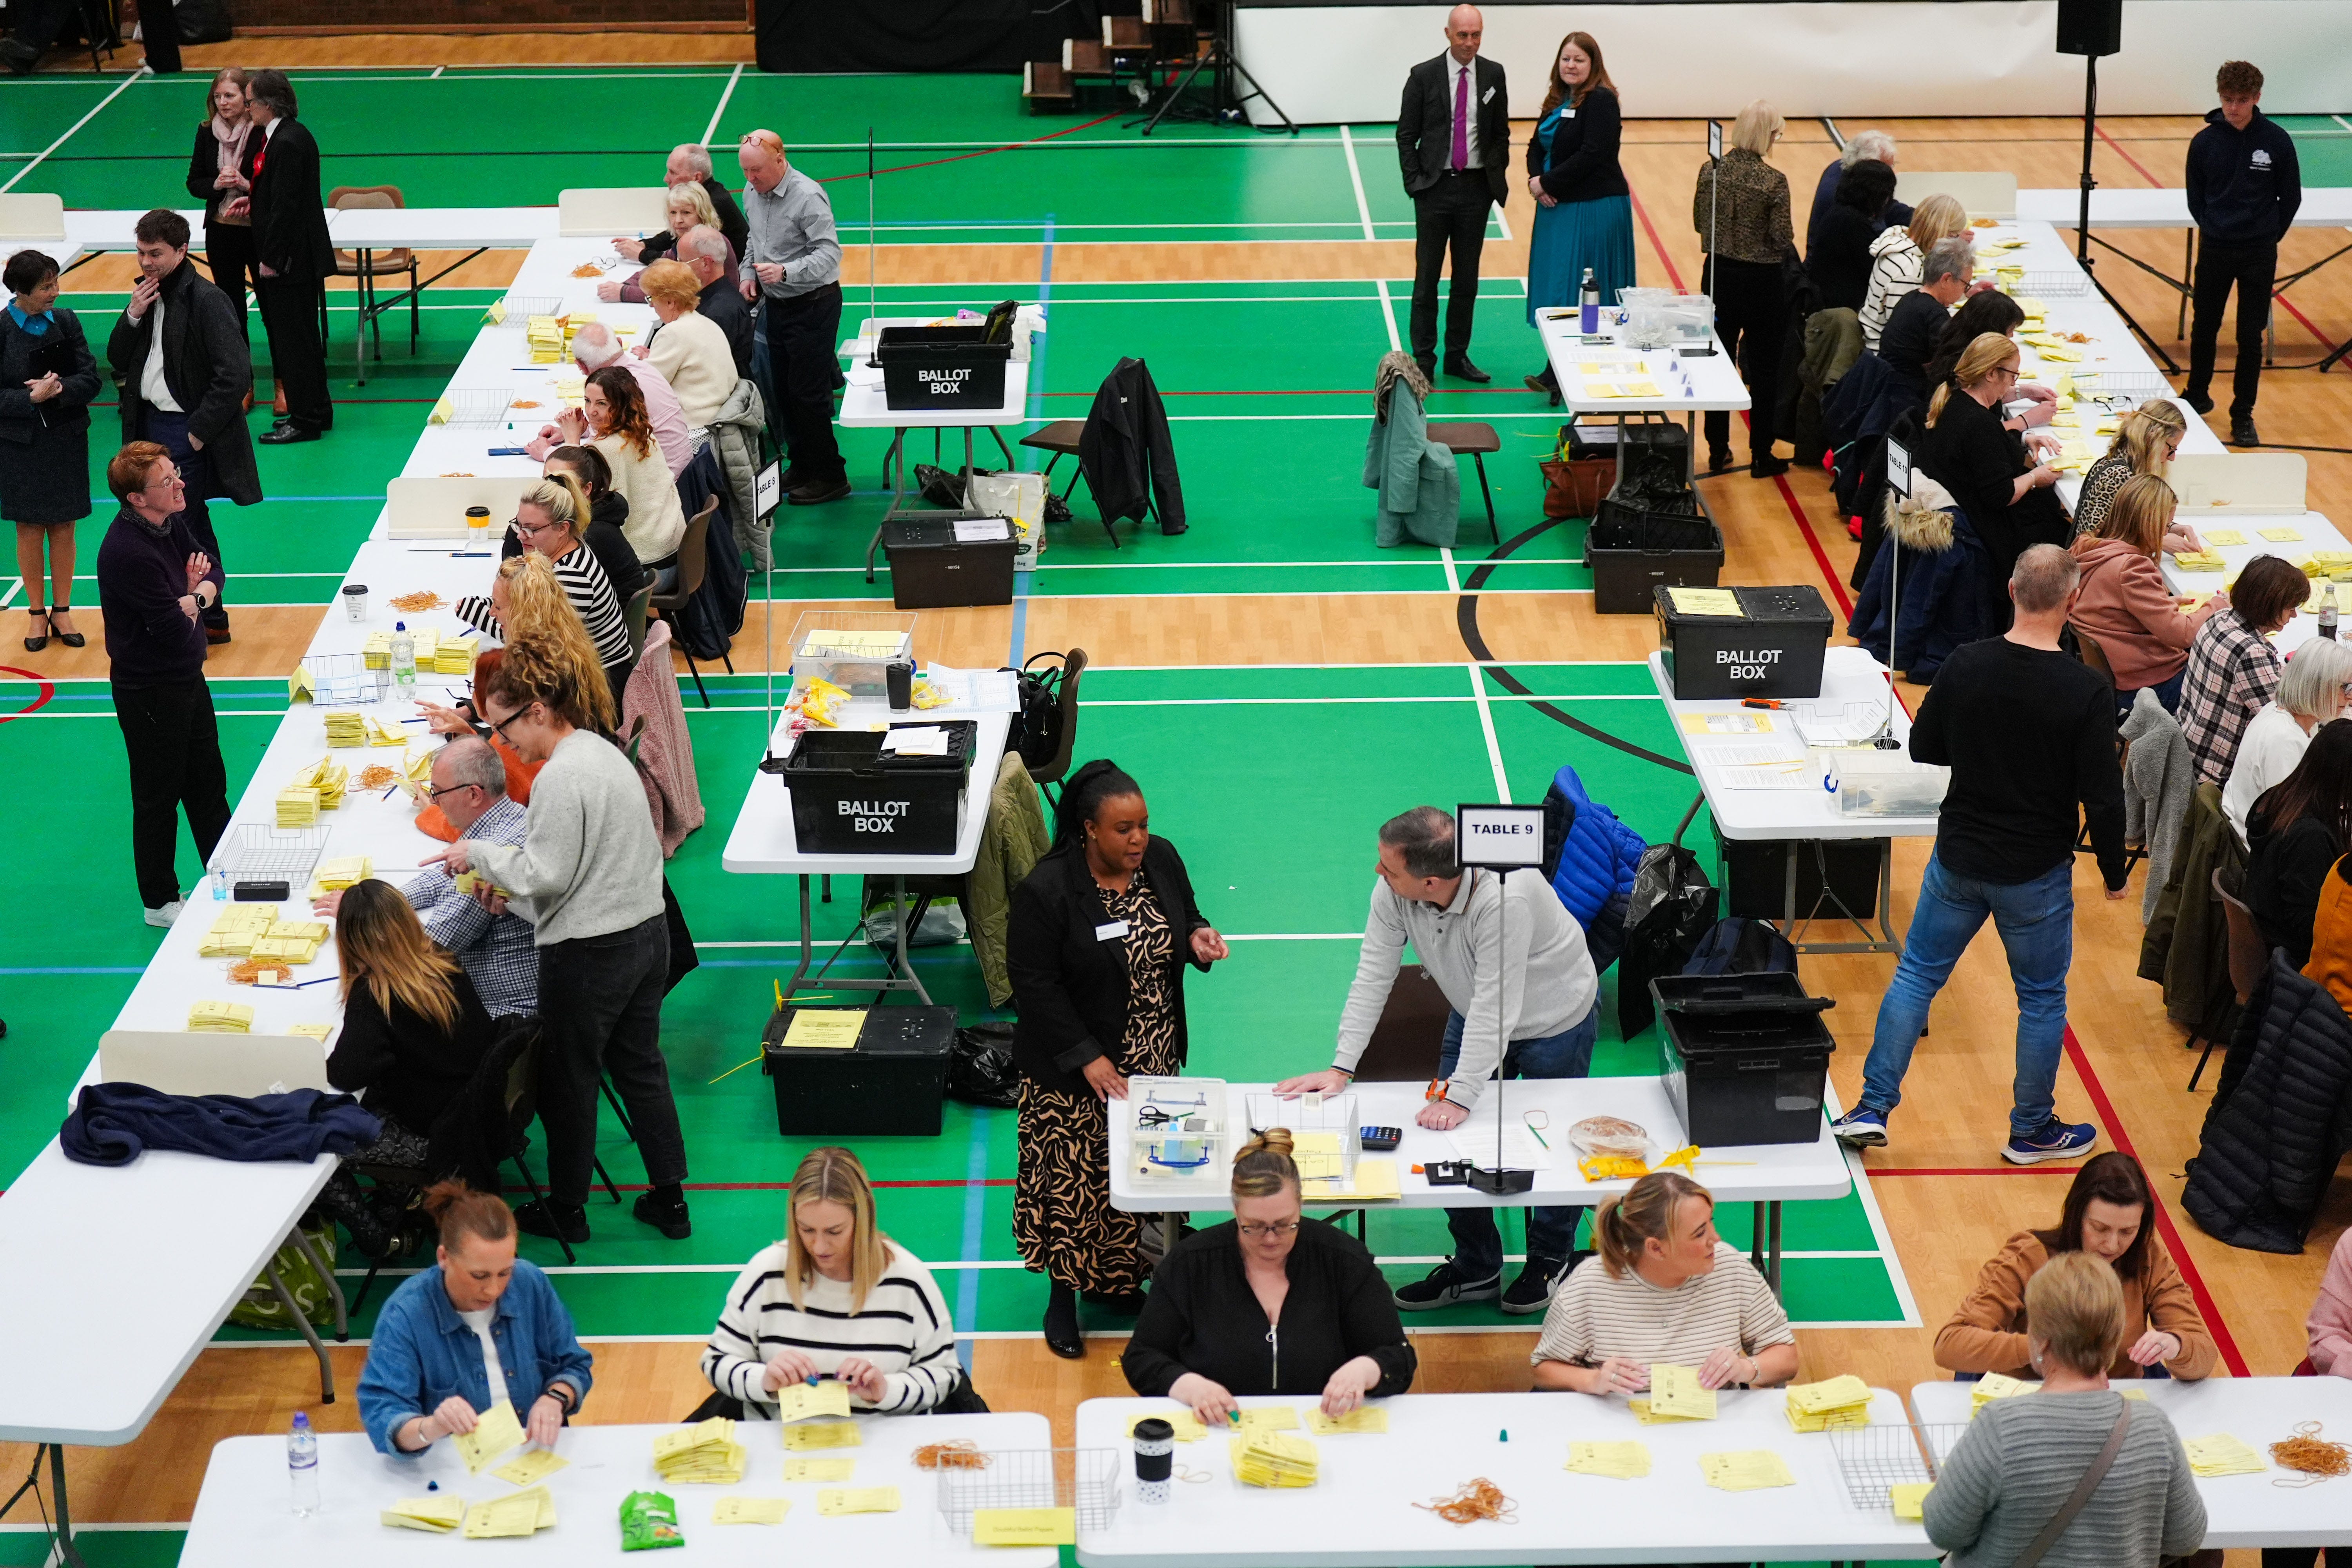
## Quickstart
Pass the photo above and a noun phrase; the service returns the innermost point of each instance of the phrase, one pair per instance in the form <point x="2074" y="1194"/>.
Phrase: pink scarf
<point x="232" y="143"/>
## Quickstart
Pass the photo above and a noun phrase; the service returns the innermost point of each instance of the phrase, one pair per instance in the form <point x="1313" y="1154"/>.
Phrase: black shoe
<point x="214" y="636"/>
<point x="287" y="434"/>
<point x="565" y="1222"/>
<point x="23" y="58"/>
<point x="789" y="481"/>
<point x="1719" y="460"/>
<point x="1767" y="468"/>
<point x="71" y="639"/>
<point x="2242" y="431"/>
<point x="817" y="492"/>
<point x="1444" y="1286"/>
<point x="1459" y="367"/>
<point x="1125" y="1304"/>
<point x="1062" y="1336"/>
<point x="2199" y="400"/>
<point x="1172" y="529"/>
<point x="35" y="645"/>
<point x="663" y="1208"/>
<point x="1531" y="1291"/>
<point x="1428" y="366"/>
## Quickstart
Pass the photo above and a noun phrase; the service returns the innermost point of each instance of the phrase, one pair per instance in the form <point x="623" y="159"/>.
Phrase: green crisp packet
<point x="649" y="1520"/>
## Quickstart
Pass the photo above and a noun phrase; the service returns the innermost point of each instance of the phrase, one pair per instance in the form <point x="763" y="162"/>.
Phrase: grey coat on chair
<point x="735" y="434"/>
<point x="2158" y="778"/>
<point x="1419" y="484"/>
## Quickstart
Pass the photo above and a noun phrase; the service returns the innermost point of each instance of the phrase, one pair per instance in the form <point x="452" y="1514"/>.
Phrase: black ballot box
<point x="1732" y="643"/>
<point x="1745" y="1056"/>
<point x="888" y="1084"/>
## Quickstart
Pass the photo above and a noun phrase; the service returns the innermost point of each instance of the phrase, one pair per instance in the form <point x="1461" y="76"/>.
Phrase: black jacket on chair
<point x="2281" y="1118"/>
<point x="208" y="368"/>
<point x="1071" y="987"/>
<point x="1125" y="450"/>
<point x="1426" y="125"/>
<point x="289" y="212"/>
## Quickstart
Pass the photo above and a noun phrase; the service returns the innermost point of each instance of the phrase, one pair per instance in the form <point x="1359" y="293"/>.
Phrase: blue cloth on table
<point x="1937" y="579"/>
<point x="1598" y="859"/>
<point x="112" y="1123"/>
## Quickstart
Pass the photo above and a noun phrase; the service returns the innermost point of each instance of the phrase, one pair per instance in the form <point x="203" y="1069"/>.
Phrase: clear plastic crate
<point x="850" y="648"/>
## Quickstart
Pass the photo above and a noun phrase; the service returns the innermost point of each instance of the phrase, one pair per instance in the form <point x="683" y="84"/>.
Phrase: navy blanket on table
<point x="112" y="1123"/>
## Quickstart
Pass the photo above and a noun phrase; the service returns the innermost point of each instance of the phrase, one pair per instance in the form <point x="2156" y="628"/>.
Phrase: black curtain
<point x="820" y="36"/>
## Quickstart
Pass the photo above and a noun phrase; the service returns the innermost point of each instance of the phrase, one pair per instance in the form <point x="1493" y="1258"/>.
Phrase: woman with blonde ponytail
<point x="1270" y="1302"/>
<point x="2004" y="490"/>
<point x="549" y="522"/>
<point x="1663" y="1286"/>
<point x="2147" y="440"/>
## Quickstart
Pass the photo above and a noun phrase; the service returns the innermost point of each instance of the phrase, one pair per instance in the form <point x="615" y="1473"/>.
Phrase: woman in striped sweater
<point x="547" y="521"/>
<point x="837" y="1299"/>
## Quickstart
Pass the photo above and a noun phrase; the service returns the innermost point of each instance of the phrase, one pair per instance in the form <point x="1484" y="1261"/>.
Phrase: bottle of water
<point x="1588" y="299"/>
<point x="302" y="1465"/>
<point x="403" y="660"/>
<point x="220" y="881"/>
<point x="2327" y="612"/>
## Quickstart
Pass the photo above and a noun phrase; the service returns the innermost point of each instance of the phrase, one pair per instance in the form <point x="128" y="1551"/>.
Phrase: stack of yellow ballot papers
<point x="439" y="1514"/>
<point x="298" y="808"/>
<point x="1997" y="1386"/>
<point x="1617" y="1461"/>
<point x="219" y="1018"/>
<point x="345" y="728"/>
<point x="801" y="1401"/>
<point x="1838" y="1401"/>
<point x="383" y="733"/>
<point x="290" y="941"/>
<point x="1648" y="1417"/>
<point x="1677" y="1391"/>
<point x="703" y="1454"/>
<point x="544" y="335"/>
<point x="519" y="1513"/>
<point x="2200" y="561"/>
<point x="234" y="930"/>
<point x="1751" y="1470"/>
<point x="2222" y="1454"/>
<point x="334" y="876"/>
<point x="811" y="1434"/>
<point x="376" y="652"/>
<point x="1266" y="1458"/>
<point x="453" y="655"/>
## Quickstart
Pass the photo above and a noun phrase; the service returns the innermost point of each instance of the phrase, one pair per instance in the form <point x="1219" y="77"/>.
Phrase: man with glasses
<point x="792" y="268"/>
<point x="480" y="929"/>
<point x="153" y="587"/>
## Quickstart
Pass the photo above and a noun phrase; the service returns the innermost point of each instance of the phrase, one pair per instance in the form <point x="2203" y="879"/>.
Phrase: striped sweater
<point x="590" y="593"/>
<point x="904" y="1330"/>
<point x="2021" y="1458"/>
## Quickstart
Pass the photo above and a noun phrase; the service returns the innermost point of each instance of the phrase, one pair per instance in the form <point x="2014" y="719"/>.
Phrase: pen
<point x="1759" y="702"/>
<point x="1537" y="1136"/>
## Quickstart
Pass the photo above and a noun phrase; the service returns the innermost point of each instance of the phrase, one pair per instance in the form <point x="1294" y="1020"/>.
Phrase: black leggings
<point x="1751" y="317"/>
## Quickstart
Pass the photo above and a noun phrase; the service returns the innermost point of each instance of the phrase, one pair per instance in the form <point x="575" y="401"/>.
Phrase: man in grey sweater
<point x="1514" y="968"/>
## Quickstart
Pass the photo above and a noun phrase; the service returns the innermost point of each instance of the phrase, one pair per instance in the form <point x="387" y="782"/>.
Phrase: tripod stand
<point x="2082" y="223"/>
<point x="1219" y="61"/>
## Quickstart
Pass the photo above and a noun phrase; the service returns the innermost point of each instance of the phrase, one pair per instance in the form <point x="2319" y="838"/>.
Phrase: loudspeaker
<point x="2090" y="27"/>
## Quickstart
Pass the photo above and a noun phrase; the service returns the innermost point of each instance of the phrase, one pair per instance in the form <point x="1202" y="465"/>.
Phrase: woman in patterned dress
<point x="1097" y="940"/>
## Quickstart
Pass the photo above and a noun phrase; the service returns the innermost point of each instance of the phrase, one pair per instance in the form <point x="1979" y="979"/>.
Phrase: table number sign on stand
<point x="1502" y="838"/>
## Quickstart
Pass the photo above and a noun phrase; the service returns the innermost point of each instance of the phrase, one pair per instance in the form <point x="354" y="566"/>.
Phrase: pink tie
<point x="1462" y="119"/>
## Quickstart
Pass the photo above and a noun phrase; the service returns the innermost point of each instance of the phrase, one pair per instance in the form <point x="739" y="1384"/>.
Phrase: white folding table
<point x="2240" y="1511"/>
<point x="1362" y="1512"/>
<point x="1688" y="385"/>
<point x="1766" y="1174"/>
<point x="2318" y="533"/>
<point x="367" y="230"/>
<point x="243" y="1514"/>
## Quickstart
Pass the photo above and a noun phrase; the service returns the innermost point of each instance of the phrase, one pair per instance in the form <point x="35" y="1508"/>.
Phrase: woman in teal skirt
<point x="1584" y="209"/>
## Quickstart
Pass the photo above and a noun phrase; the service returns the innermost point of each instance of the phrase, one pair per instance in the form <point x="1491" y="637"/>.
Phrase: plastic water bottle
<point x="1588" y="299"/>
<point x="2327" y="612"/>
<point x="220" y="881"/>
<point x="404" y="659"/>
<point x="302" y="1465"/>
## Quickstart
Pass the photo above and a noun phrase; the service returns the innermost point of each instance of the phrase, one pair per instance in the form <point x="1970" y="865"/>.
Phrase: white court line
<point x="1356" y="178"/>
<point x="1388" y="317"/>
<point x="439" y="69"/>
<point x="712" y="128"/>
<point x="77" y="125"/>
<point x="2341" y="121"/>
<point x="1493" y="746"/>
<point x="1345" y="701"/>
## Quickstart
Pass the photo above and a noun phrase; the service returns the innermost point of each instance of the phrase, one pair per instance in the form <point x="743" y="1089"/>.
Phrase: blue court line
<point x="975" y="1216"/>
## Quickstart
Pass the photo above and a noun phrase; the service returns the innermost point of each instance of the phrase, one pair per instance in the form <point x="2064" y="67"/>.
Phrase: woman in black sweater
<point x="2003" y="489"/>
<point x="216" y="177"/>
<point x="414" y="1033"/>
<point x="1268" y="1302"/>
<point x="1840" y="261"/>
<point x="2296" y="832"/>
<point x="1097" y="942"/>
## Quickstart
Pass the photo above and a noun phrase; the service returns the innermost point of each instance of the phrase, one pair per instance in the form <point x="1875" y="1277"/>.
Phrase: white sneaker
<point x="166" y="915"/>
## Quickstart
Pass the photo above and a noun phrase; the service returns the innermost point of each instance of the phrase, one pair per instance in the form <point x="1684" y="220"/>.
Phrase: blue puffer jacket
<point x="1597" y="861"/>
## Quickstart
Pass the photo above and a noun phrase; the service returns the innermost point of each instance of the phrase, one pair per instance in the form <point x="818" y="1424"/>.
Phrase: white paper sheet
<point x="1772" y="776"/>
<point x="917" y="741"/>
<point x="1475" y="1140"/>
<point x="1727" y="752"/>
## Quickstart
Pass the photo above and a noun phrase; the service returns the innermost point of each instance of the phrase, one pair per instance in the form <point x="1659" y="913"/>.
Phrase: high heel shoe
<point x="1062" y="1336"/>
<point x="71" y="639"/>
<point x="35" y="645"/>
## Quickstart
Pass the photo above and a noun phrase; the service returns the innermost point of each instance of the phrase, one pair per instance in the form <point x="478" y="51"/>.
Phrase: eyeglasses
<point x="498" y="726"/>
<point x="437" y="791"/>
<point x="1268" y="1232"/>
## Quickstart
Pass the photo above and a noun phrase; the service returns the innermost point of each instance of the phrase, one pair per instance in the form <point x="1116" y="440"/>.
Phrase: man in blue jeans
<point x="2028" y="732"/>
<point x="1512" y="963"/>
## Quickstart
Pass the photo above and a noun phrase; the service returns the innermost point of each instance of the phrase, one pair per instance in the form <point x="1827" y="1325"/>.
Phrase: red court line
<point x="2125" y="154"/>
<point x="984" y="151"/>
<point x="1812" y="543"/>
<point x="1649" y="228"/>
<point x="1875" y="1171"/>
<point x="49" y="690"/>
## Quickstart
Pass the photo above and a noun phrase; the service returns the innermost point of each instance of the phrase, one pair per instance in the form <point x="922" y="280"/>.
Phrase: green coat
<point x="1012" y="840"/>
<point x="2187" y="945"/>
<point x="1419" y="484"/>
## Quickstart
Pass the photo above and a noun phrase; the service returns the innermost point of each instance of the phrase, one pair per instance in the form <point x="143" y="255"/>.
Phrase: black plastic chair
<point x="693" y="561"/>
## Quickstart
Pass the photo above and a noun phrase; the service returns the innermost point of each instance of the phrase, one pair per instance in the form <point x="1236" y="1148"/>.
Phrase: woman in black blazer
<point x="216" y="177"/>
<point x="1099" y="936"/>
<point x="47" y="378"/>
<point x="1840" y="260"/>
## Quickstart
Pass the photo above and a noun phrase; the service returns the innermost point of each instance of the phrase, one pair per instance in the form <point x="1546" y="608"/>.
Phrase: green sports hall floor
<point x="1270" y="779"/>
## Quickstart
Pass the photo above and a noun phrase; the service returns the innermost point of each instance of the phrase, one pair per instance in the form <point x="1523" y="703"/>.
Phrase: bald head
<point x="2042" y="579"/>
<point x="1465" y="30"/>
<point x="704" y="251"/>
<point x="688" y="160"/>
<point x="762" y="157"/>
<point x="595" y="346"/>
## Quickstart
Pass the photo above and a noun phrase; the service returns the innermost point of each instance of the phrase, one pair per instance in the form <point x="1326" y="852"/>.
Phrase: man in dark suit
<point x="1453" y="139"/>
<point x="294" y="255"/>
<point x="689" y="164"/>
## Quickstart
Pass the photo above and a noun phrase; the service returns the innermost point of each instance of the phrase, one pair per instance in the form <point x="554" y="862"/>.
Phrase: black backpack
<point x="1037" y="723"/>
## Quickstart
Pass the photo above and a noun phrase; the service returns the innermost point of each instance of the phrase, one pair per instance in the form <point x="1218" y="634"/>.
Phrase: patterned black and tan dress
<point x="1062" y="1218"/>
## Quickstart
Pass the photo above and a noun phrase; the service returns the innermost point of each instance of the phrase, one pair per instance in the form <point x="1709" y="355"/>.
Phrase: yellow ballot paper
<point x="1740" y="723"/>
<point x="824" y="1029"/>
<point x="1617" y="1461"/>
<point x="1269" y="1419"/>
<point x="1909" y="1499"/>
<point x="1675" y="1391"/>
<point x="1319" y="1156"/>
<point x="1622" y="389"/>
<point x="521" y="1513"/>
<point x="528" y="1469"/>
<point x="1704" y="601"/>
<point x="824" y="1435"/>
<point x="443" y="411"/>
<point x="439" y="1514"/>
<point x="703" y="1454"/>
<point x="1648" y="1417"/>
<point x="299" y="687"/>
<point x="1373" y="1179"/>
<point x="496" y="1432"/>
<point x="868" y="1499"/>
<point x="1187" y="1425"/>
<point x="2224" y="536"/>
<point x="1837" y="1402"/>
<point x="1025" y="1527"/>
<point x="819" y="1469"/>
<point x="1270" y="1459"/>
<point x="751" y="1509"/>
<point x="1996" y="1386"/>
<point x="2277" y="535"/>
<point x="1748" y="1471"/>
<point x="2222" y="1455"/>
<point x="799" y="1401"/>
<point x="1363" y="1419"/>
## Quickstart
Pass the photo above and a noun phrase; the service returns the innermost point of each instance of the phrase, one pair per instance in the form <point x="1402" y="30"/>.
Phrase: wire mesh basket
<point x="1871" y="1459"/>
<point x="344" y="678"/>
<point x="2066" y="283"/>
<point x="2129" y="387"/>
<point x="254" y="852"/>
<point x="476" y="410"/>
<point x="521" y="307"/>
<point x="1084" y="1480"/>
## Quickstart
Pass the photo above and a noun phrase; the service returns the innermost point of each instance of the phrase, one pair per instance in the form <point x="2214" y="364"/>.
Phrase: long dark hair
<point x="629" y="419"/>
<point x="2320" y="786"/>
<point x="1082" y="800"/>
<point x="2114" y="1177"/>
<point x="1990" y="311"/>
<point x="1867" y="187"/>
<point x="1556" y="90"/>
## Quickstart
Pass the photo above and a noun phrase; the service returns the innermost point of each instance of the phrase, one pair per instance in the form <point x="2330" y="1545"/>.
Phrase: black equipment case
<point x="850" y="799"/>
<point x="888" y="1085"/>
<point x="932" y="569"/>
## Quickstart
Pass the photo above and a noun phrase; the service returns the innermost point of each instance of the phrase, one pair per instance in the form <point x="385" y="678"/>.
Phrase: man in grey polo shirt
<point x="793" y="266"/>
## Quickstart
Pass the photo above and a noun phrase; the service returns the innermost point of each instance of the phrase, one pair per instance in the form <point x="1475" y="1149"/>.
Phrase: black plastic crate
<point x="941" y="367"/>
<point x="888" y="1085"/>
<point x="932" y="569"/>
<point x="1746" y="1056"/>
<point x="1633" y="550"/>
<point x="848" y="798"/>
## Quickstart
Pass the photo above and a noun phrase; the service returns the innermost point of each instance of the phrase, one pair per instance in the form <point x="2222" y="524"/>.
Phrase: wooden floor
<point x="1948" y="1199"/>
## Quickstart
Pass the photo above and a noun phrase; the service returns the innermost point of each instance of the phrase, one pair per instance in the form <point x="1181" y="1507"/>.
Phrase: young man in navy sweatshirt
<point x="2243" y="187"/>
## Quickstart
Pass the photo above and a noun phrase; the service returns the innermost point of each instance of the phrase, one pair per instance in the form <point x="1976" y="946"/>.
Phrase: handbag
<point x="2073" y="1504"/>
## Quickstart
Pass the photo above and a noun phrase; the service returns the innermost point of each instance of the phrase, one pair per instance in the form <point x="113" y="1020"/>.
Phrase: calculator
<point x="1381" y="1138"/>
